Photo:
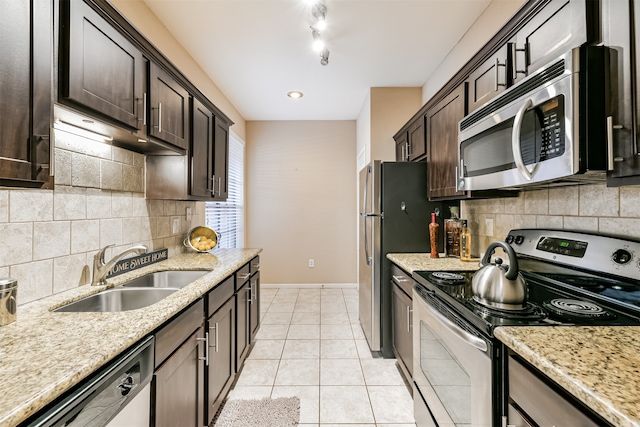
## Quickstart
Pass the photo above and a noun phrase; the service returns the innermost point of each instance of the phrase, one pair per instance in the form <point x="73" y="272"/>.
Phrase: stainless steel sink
<point x="118" y="299"/>
<point x="166" y="279"/>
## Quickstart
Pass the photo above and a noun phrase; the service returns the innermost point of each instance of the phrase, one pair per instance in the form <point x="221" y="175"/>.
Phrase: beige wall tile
<point x="69" y="272"/>
<point x="4" y="272"/>
<point x="133" y="178"/>
<point x="51" y="239"/>
<point x="598" y="200"/>
<point x="85" y="236"/>
<point x="121" y="205"/>
<point x="62" y="167"/>
<point x="169" y="207"/>
<point x="30" y="205"/>
<point x="536" y="202"/>
<point x="110" y="232"/>
<point x="581" y="223"/>
<point x="515" y="205"/>
<point x="81" y="145"/>
<point x="630" y="201"/>
<point x="164" y="227"/>
<point x="4" y="206"/>
<point x="625" y="227"/>
<point x="138" y="160"/>
<point x="69" y="203"/>
<point x="111" y="175"/>
<point x="121" y="155"/>
<point x="98" y="204"/>
<point x="35" y="280"/>
<point x="139" y="205"/>
<point x="85" y="171"/>
<point x="155" y="207"/>
<point x="549" y="221"/>
<point x="17" y="243"/>
<point x="503" y="224"/>
<point x="132" y="230"/>
<point x="564" y="201"/>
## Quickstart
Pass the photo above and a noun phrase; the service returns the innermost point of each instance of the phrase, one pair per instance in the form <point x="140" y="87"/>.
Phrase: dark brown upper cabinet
<point x="100" y="68"/>
<point x="488" y="80"/>
<point x="401" y="146"/>
<point x="201" y="152"/>
<point x="221" y="160"/>
<point x="26" y="28"/>
<point x="416" y="140"/>
<point x="554" y="27"/>
<point x="169" y="108"/>
<point x="442" y="143"/>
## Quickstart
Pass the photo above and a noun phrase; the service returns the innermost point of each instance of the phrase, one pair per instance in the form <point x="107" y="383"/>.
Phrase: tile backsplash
<point x="590" y="208"/>
<point x="49" y="237"/>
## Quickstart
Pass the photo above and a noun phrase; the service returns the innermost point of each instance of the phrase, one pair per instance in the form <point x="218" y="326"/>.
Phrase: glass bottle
<point x="465" y="242"/>
<point x="433" y="236"/>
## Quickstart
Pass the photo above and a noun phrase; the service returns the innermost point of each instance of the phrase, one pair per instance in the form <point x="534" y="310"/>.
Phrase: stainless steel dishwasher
<point x="118" y="395"/>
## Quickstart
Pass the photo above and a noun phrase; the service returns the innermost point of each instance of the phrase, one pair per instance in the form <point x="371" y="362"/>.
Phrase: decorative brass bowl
<point x="202" y="239"/>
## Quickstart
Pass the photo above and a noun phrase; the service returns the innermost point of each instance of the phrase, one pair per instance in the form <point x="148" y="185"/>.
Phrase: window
<point x="227" y="218"/>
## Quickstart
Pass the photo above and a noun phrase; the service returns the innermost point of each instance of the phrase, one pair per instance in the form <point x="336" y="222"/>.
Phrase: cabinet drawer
<point x="242" y="275"/>
<point x="254" y="265"/>
<point x="217" y="297"/>
<point x="403" y="280"/>
<point x="178" y="330"/>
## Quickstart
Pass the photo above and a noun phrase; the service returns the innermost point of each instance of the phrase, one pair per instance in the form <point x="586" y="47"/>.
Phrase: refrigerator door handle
<point x="364" y="217"/>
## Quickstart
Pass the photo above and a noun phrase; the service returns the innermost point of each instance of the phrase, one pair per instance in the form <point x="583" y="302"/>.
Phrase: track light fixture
<point x="319" y="13"/>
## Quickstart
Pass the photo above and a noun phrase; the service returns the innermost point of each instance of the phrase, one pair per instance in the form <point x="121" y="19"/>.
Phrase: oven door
<point x="527" y="135"/>
<point x="452" y="368"/>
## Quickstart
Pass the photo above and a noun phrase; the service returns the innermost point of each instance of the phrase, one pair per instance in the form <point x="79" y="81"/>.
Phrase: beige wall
<point x="301" y="200"/>
<point x="148" y="24"/>
<point x="591" y="208"/>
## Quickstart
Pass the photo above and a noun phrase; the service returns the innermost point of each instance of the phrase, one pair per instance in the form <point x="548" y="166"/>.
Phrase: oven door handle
<point x="452" y="327"/>
<point x="515" y="142"/>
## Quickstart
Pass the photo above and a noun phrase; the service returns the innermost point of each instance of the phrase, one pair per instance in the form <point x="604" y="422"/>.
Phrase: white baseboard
<point x="310" y="285"/>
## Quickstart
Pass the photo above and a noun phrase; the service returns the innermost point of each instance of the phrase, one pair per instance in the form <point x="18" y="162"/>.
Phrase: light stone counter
<point x="44" y="353"/>
<point x="600" y="366"/>
<point x="424" y="262"/>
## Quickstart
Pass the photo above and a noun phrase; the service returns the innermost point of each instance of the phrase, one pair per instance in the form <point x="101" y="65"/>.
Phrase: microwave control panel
<point x="549" y="128"/>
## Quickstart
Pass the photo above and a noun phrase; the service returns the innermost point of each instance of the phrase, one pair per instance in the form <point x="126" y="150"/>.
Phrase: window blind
<point x="227" y="218"/>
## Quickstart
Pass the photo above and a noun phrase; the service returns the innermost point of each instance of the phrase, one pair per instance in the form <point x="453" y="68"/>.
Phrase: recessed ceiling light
<point x="295" y="94"/>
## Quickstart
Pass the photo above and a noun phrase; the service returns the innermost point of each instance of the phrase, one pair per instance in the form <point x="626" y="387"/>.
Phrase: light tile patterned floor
<point x="310" y="345"/>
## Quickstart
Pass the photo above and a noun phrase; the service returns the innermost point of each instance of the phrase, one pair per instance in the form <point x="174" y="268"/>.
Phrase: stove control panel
<point x="604" y="254"/>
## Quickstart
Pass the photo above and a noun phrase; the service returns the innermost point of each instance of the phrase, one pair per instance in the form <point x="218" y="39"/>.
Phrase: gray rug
<point x="280" y="412"/>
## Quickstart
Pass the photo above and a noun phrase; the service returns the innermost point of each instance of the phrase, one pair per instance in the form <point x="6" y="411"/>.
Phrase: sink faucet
<point x="100" y="268"/>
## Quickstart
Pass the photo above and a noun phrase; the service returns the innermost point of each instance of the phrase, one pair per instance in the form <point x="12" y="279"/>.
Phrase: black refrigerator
<point x="394" y="218"/>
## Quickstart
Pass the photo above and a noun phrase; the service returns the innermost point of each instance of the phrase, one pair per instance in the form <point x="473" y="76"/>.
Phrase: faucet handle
<point x="100" y="255"/>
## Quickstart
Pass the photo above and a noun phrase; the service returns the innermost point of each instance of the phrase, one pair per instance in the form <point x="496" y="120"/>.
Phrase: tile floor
<point x="310" y="345"/>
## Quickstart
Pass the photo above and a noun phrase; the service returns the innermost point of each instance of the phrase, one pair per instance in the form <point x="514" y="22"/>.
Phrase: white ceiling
<point x="258" y="50"/>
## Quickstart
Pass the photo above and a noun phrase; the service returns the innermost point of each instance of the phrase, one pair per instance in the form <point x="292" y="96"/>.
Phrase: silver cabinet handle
<point x="250" y="290"/>
<point x="514" y="62"/>
<point x="409" y="311"/>
<point x="610" y="143"/>
<point x="398" y="279"/>
<point x="497" y="83"/>
<point x="219" y="185"/>
<point x="160" y="117"/>
<point x="215" y="340"/>
<point x="244" y="276"/>
<point x="206" y="348"/>
<point x="144" y="109"/>
<point x="213" y="185"/>
<point x="256" y="266"/>
<point x="402" y="156"/>
<point x="515" y="142"/>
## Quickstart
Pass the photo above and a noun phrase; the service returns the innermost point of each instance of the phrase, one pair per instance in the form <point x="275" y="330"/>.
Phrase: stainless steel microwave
<point x="551" y="128"/>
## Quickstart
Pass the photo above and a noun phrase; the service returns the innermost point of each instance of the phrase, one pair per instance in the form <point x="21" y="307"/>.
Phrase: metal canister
<point x="8" y="300"/>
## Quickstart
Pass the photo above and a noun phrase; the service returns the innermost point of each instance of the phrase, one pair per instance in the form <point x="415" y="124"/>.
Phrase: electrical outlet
<point x="188" y="214"/>
<point x="175" y="229"/>
<point x="488" y="225"/>
<point x="312" y="263"/>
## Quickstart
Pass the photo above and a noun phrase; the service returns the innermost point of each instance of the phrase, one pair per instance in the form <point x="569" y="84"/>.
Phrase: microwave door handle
<point x="515" y="142"/>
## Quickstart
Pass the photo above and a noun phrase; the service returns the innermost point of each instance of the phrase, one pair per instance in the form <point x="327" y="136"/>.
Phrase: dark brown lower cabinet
<point x="403" y="330"/>
<point x="254" y="306"/>
<point x="242" y="323"/>
<point x="179" y="385"/>
<point x="221" y="369"/>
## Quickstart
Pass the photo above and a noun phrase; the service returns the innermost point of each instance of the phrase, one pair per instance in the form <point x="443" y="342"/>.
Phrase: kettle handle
<point x="513" y="270"/>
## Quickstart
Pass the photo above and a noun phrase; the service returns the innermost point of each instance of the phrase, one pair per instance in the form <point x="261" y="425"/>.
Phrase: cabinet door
<point x="416" y="140"/>
<point x="254" y="306"/>
<point x="221" y="160"/>
<point x="201" y="153"/>
<point x="402" y="328"/>
<point x="488" y="80"/>
<point x="101" y="69"/>
<point x="221" y="370"/>
<point x="401" y="147"/>
<point x="442" y="143"/>
<point x="242" y="324"/>
<point x="557" y="27"/>
<point x="25" y="85"/>
<point x="169" y="103"/>
<point x="179" y="385"/>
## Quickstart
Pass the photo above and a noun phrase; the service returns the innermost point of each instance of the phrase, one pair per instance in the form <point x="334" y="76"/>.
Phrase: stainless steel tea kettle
<point x="494" y="285"/>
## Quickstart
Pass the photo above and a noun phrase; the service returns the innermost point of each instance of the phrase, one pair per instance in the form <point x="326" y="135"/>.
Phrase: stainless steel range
<point x="567" y="278"/>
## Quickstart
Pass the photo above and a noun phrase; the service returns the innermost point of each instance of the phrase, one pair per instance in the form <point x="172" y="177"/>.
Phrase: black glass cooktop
<point x="554" y="297"/>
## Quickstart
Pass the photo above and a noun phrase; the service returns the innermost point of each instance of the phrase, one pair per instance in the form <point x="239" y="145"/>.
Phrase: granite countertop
<point x="600" y="365"/>
<point x="424" y="262"/>
<point x="45" y="353"/>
